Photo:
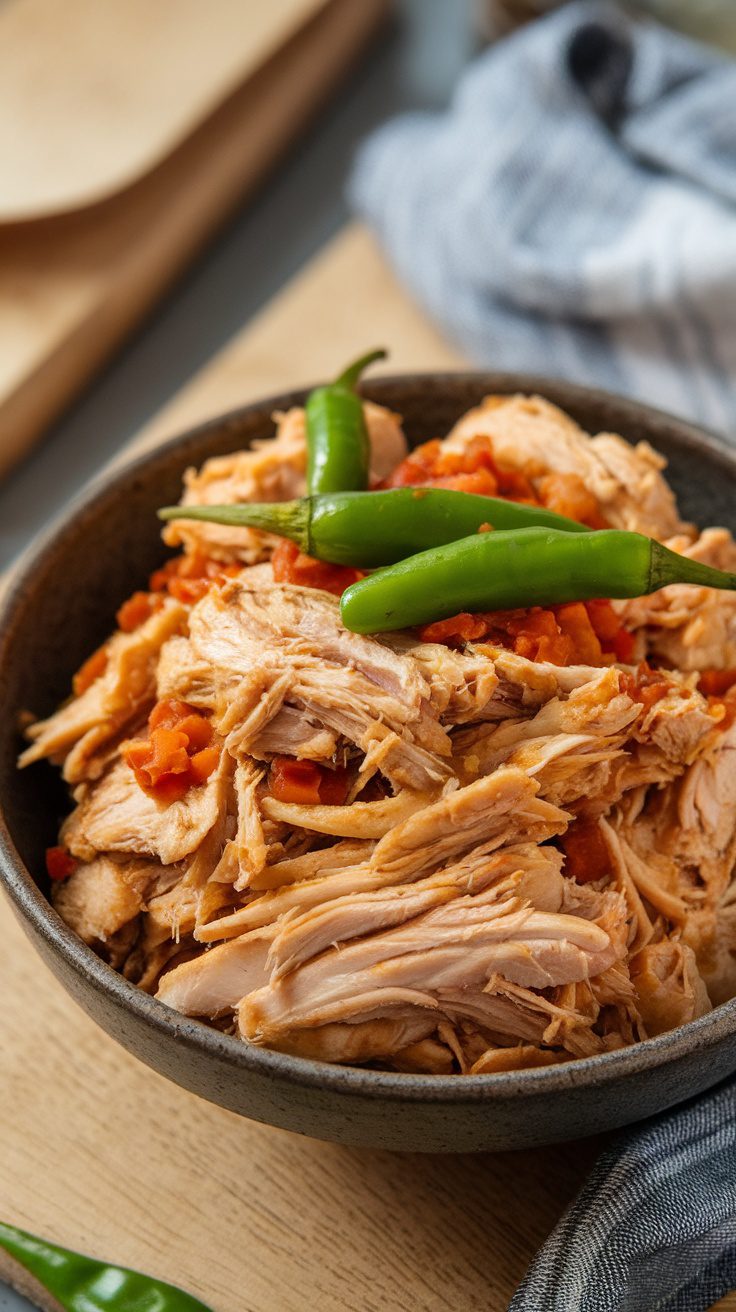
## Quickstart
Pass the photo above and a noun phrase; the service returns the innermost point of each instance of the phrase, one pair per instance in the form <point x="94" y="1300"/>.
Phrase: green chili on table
<point x="81" y="1284"/>
<point x="369" y="529"/>
<point x="338" y="446"/>
<point x="517" y="567"/>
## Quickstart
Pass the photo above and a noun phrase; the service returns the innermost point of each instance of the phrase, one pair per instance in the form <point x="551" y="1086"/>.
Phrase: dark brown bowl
<point x="62" y="604"/>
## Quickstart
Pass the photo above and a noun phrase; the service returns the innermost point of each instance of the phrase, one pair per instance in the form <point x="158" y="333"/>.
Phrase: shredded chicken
<point x="436" y="858"/>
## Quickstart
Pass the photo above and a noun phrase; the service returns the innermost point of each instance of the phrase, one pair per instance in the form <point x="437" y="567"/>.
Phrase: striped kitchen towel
<point x="573" y="213"/>
<point x="654" y="1227"/>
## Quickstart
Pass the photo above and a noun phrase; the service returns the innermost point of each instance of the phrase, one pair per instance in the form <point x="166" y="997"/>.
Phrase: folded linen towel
<point x="654" y="1227"/>
<point x="574" y="212"/>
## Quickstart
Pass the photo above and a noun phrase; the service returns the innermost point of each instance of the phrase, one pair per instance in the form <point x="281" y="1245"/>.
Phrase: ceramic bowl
<point x="61" y="605"/>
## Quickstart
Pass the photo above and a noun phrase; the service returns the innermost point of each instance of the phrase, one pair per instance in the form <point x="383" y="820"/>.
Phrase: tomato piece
<point x="60" y="864"/>
<point x="290" y="565"/>
<point x="586" y="853"/>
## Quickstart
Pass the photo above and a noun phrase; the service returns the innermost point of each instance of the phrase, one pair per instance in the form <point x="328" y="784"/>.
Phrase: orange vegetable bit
<point x="476" y="469"/>
<point x="567" y="495"/>
<point x="137" y="609"/>
<point x="290" y="565"/>
<point x="716" y="683"/>
<point x="60" y="864"/>
<point x="176" y="755"/>
<point x="307" y="784"/>
<point x="646" y="686"/>
<point x="93" y="667"/>
<point x="188" y="577"/>
<point x="586" y="853"/>
<point x="579" y="633"/>
<point x="455" y="631"/>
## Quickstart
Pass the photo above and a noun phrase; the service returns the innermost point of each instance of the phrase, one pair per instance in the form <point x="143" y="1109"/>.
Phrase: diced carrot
<point x="189" y="576"/>
<point x="290" y="565"/>
<point x="305" y="783"/>
<point x="574" y="621"/>
<point x="93" y="667"/>
<point x="60" y="864"/>
<point x="295" y="781"/>
<point x="203" y="763"/>
<point x="715" y="683"/>
<point x="137" y="609"/>
<point x="176" y="755"/>
<point x="566" y="494"/>
<point x="456" y="630"/>
<point x="586" y="854"/>
<point x="198" y="731"/>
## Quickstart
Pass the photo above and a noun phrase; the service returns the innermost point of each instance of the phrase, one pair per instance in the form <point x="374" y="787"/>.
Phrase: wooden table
<point x="100" y="1153"/>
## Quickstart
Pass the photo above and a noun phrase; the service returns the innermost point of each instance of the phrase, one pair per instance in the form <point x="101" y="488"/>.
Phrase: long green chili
<point x="518" y="567"/>
<point x="369" y="529"/>
<point x="338" y="446"/>
<point x="81" y="1284"/>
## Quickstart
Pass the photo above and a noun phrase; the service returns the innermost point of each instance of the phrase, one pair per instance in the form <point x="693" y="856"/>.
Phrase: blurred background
<point x="165" y="176"/>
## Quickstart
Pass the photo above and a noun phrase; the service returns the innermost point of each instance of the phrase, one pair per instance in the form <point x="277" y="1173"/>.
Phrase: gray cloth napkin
<point x="574" y="212"/>
<point x="654" y="1227"/>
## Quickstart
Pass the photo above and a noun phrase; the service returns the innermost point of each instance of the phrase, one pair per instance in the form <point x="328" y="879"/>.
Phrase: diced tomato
<point x="417" y="468"/>
<point x="290" y="565"/>
<point x="307" y="784"/>
<point x="586" y="854"/>
<point x="60" y="864"/>
<point x="645" y="686"/>
<point x="175" y="755"/>
<point x="93" y="667"/>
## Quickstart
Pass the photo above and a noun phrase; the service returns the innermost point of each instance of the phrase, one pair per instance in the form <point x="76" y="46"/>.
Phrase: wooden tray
<point x="100" y="1153"/>
<point x="128" y="131"/>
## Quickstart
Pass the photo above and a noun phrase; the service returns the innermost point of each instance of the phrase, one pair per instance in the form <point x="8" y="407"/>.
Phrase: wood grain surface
<point x="73" y="284"/>
<point x="94" y="95"/>
<point x="100" y="1153"/>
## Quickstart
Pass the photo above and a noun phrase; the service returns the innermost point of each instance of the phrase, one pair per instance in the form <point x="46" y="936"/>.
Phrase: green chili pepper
<point x="368" y="529"/>
<point x="338" y="446"/>
<point x="80" y="1284"/>
<point x="518" y="567"/>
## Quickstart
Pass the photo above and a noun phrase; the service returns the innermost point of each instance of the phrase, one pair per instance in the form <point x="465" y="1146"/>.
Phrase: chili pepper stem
<point x="669" y="567"/>
<point x="287" y="519"/>
<point x="349" y="377"/>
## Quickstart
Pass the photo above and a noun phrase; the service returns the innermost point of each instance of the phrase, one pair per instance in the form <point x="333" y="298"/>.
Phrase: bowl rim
<point x="360" y="1082"/>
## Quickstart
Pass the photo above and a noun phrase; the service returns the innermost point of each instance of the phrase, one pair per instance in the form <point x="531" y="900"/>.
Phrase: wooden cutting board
<point x="98" y="1152"/>
<point x="128" y="131"/>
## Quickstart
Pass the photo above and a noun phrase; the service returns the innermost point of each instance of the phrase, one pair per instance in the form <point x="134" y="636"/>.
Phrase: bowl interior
<point x="67" y="591"/>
